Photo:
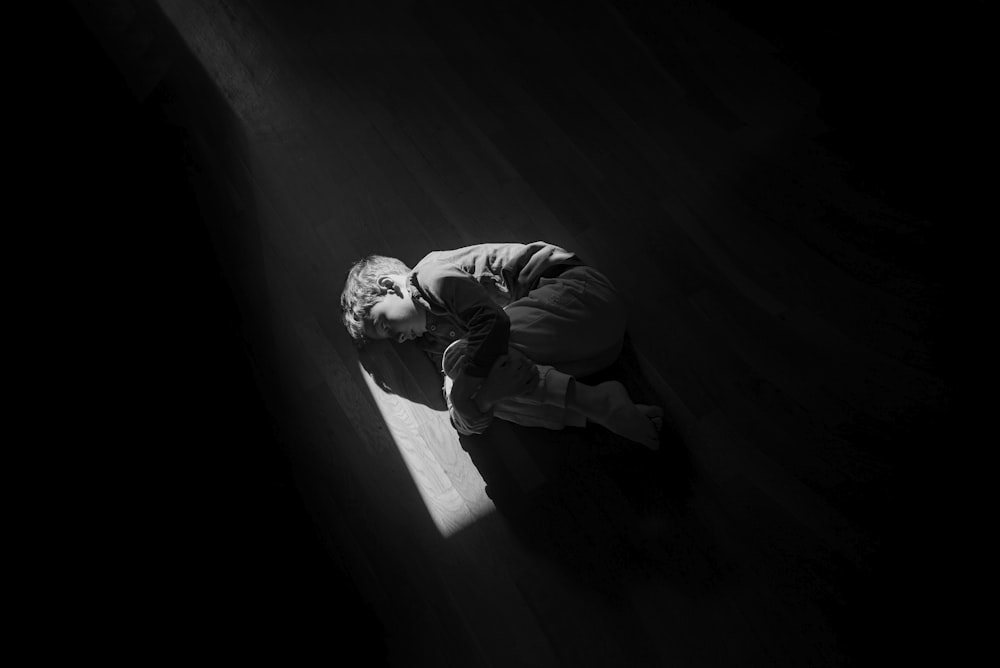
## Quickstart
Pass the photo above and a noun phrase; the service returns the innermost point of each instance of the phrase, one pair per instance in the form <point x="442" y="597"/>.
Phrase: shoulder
<point x="438" y="281"/>
<point x="434" y="272"/>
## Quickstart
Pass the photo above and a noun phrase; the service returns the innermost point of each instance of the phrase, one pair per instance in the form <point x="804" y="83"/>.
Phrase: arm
<point x="487" y="325"/>
<point x="512" y="375"/>
<point x="488" y="329"/>
<point x="471" y="400"/>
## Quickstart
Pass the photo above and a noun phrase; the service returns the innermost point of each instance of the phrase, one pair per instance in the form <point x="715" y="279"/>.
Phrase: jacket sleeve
<point x="487" y="324"/>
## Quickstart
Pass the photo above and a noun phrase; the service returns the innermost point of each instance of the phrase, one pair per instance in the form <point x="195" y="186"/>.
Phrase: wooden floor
<point x="784" y="306"/>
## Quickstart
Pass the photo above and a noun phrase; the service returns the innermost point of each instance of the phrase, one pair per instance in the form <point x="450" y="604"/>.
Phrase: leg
<point x="609" y="405"/>
<point x="560" y="401"/>
<point x="546" y="406"/>
<point x="574" y="322"/>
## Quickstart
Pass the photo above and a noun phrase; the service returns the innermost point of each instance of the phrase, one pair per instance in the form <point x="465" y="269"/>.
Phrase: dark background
<point x="885" y="72"/>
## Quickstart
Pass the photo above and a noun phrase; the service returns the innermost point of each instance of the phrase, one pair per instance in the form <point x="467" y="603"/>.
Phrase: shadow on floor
<point x="605" y="509"/>
<point x="403" y="369"/>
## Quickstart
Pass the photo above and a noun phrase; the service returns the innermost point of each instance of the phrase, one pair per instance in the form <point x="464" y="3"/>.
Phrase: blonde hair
<point x="362" y="291"/>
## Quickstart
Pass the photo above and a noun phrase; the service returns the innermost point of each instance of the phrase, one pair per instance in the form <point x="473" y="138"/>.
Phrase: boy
<point x="512" y="326"/>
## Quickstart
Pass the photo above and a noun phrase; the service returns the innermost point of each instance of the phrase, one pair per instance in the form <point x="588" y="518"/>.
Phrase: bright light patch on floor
<point x="430" y="448"/>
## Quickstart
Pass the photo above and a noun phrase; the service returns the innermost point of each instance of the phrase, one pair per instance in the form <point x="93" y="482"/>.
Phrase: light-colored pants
<point x="570" y="326"/>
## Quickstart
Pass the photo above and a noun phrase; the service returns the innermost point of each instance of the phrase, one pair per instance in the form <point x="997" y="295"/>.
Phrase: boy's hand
<point x="511" y="375"/>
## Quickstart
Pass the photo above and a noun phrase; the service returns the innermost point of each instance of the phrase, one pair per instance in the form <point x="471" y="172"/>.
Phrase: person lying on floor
<point x="512" y="326"/>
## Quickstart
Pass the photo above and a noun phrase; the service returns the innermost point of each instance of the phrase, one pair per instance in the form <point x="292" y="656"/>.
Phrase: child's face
<point x="396" y="316"/>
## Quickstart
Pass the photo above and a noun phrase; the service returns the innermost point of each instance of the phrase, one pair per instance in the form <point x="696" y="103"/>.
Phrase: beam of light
<point x="240" y="64"/>
<point x="232" y="57"/>
<point x="430" y="448"/>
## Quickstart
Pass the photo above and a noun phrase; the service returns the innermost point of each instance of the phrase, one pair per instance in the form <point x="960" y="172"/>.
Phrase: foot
<point x="637" y="422"/>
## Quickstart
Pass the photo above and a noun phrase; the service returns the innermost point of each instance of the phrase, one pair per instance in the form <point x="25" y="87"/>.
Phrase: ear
<point x="386" y="284"/>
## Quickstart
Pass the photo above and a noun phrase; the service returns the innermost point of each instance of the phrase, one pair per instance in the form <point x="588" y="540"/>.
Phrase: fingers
<point x="513" y="374"/>
<point x="522" y="376"/>
<point x="528" y="379"/>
